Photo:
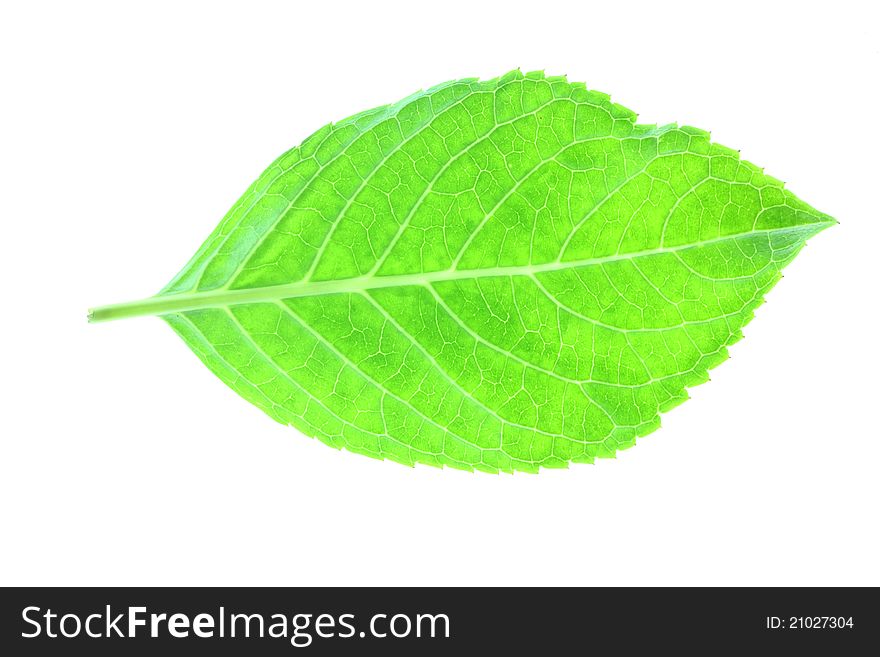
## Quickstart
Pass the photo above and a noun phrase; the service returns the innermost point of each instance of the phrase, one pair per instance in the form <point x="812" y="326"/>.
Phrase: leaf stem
<point x="221" y="297"/>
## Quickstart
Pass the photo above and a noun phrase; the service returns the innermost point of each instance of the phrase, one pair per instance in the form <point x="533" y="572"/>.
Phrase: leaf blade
<point x="525" y="287"/>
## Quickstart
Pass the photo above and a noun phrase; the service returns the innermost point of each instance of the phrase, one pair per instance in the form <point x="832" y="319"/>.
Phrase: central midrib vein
<point x="223" y="297"/>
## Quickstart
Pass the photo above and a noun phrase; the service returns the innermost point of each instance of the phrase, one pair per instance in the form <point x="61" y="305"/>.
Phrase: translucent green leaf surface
<point x="500" y="275"/>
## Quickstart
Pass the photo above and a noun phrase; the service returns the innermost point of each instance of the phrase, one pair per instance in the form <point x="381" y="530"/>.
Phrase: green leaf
<point x="497" y="275"/>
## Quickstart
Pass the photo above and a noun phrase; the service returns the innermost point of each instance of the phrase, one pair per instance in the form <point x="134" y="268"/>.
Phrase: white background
<point x="128" y="132"/>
